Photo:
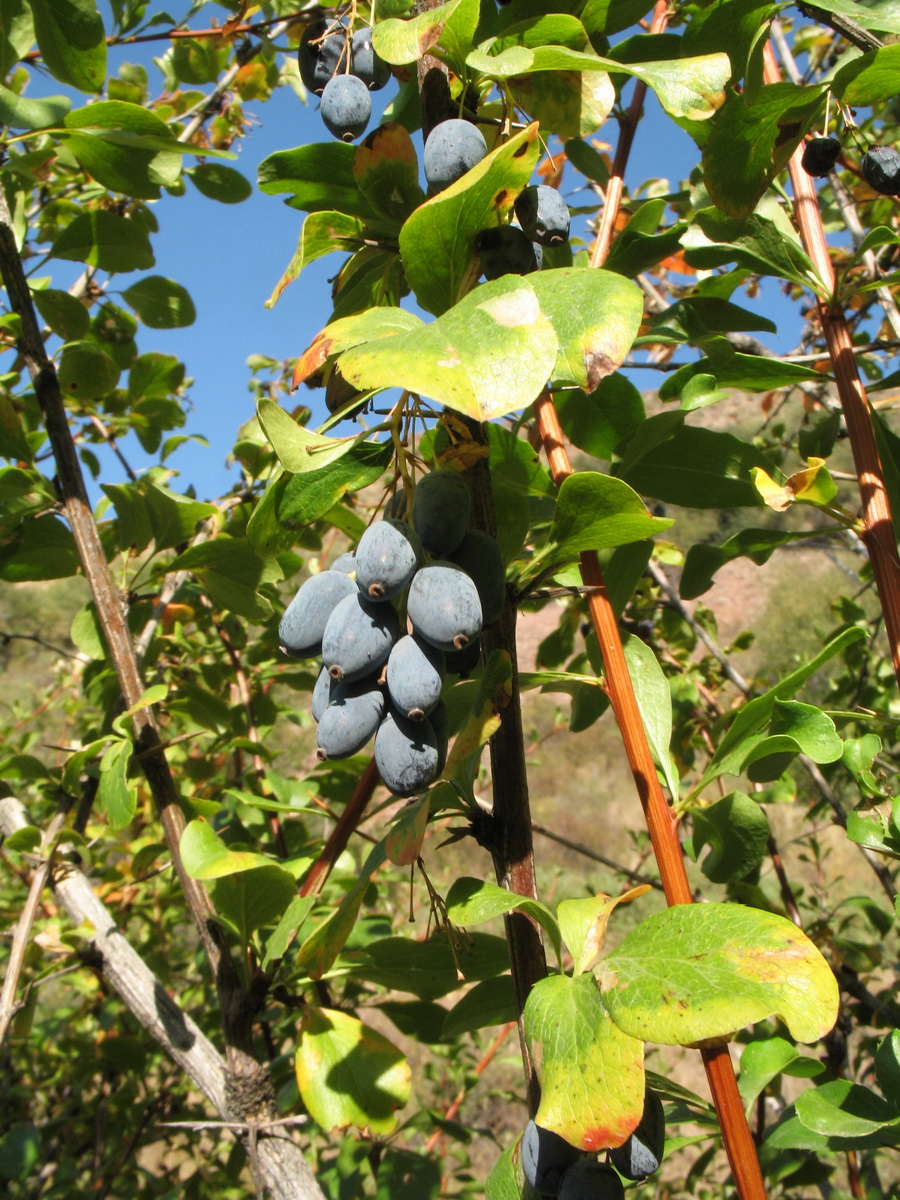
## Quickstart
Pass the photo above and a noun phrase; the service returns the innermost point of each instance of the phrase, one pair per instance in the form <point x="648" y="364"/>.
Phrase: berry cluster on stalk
<point x="343" y="69"/>
<point x="378" y="679"/>
<point x="554" y="1167"/>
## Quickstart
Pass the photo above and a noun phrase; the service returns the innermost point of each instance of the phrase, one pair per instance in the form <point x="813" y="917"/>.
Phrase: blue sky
<point x="230" y="256"/>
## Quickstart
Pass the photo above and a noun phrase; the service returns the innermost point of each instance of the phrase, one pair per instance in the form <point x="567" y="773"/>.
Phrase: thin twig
<point x="579" y="848"/>
<point x="22" y="935"/>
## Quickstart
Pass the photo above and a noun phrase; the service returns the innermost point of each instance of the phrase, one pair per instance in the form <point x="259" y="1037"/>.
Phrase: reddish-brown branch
<point x="878" y="527"/>
<point x="340" y="835"/>
<point x="736" y="1134"/>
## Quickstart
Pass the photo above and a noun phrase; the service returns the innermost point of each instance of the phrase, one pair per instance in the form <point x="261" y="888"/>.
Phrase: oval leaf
<point x="348" y="1074"/>
<point x="699" y="971"/>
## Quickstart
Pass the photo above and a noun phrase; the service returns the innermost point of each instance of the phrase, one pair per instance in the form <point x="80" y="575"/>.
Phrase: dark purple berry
<point x="881" y="168"/>
<point x="365" y="63"/>
<point x="819" y="156"/>
<point x="506" y="250"/>
<point x="319" y="56"/>
<point x="543" y="215"/>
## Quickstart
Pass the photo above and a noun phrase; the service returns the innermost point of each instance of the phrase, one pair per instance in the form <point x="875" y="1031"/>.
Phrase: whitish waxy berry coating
<point x="545" y="1158"/>
<point x="358" y="637"/>
<point x="452" y="148"/>
<point x="641" y="1154"/>
<point x="387" y="557"/>
<point x="480" y="556"/>
<point x="319" y="57"/>
<point x="444" y="607"/>
<point x="406" y="754"/>
<point x="415" y="676"/>
<point x="442" y="505"/>
<point x="365" y="63"/>
<point x="506" y="250"/>
<point x="591" y="1180"/>
<point x="543" y="215"/>
<point x="881" y="167"/>
<point x="305" y="618"/>
<point x="346" y="107"/>
<point x="351" y="717"/>
<point x="819" y="156"/>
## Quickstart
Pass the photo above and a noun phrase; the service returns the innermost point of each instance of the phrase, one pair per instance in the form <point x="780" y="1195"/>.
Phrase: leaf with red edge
<point x="592" y="1074"/>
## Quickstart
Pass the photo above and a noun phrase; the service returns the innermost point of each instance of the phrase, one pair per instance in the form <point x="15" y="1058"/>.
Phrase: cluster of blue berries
<point x="447" y="581"/>
<point x="554" y="1167"/>
<point x="343" y="69"/>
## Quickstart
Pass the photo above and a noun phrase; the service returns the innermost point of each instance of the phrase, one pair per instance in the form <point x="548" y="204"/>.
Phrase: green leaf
<point x="317" y="953"/>
<point x="703" y="561"/>
<point x="848" y="1110"/>
<point x="887" y="1067"/>
<point x="348" y="1074"/>
<point x="438" y="241"/>
<point x="689" y="88"/>
<point x="386" y="170"/>
<point x="72" y="42"/>
<point x="869" y="79"/>
<point x="322" y="233"/>
<point x="691" y="466"/>
<point x="232" y="574"/>
<point x="42" y="548"/>
<point x="318" y="177"/>
<point x="400" y="42"/>
<point x="749" y="142"/>
<point x="309" y="496"/>
<point x="592" y="1075"/>
<point x="346" y="332"/>
<point x="86" y="372"/>
<point x="114" y="796"/>
<point x="747" y="372"/>
<point x="737" y="831"/>
<point x="161" y="303"/>
<point x="205" y="856"/>
<point x="21" y="113"/>
<point x="215" y="181"/>
<point x="883" y="16"/>
<point x="751" y="723"/>
<point x="503" y="1181"/>
<point x="764" y="242"/>
<point x="473" y="901"/>
<point x="249" y="900"/>
<point x="493" y="352"/>
<point x="491" y="1002"/>
<point x="595" y="511"/>
<point x="103" y="239"/>
<point x="16" y="33"/>
<point x="612" y="16"/>
<point x="795" y="729"/>
<point x="583" y="924"/>
<point x="700" y="971"/>
<point x="763" y="1061"/>
<point x="654" y="699"/>
<point x="570" y="103"/>
<point x="67" y="317"/>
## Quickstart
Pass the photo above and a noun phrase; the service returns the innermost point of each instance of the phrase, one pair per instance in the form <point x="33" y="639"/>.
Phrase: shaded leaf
<point x="219" y="182"/>
<point x="105" y="240"/>
<point x="763" y="1061"/>
<point x="474" y="901"/>
<point x="161" y="303"/>
<point x="737" y="831"/>
<point x="72" y="42"/>
<point x="348" y="1074"/>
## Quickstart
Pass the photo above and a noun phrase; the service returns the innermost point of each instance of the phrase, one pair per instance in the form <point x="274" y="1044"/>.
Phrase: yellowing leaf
<point x="699" y="971"/>
<point x="592" y="1073"/>
<point x="348" y="1074"/>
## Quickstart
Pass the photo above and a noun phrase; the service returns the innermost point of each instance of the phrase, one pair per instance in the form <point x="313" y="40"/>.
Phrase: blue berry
<point x="543" y="215"/>
<point x="346" y="107"/>
<point x="452" y="148"/>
